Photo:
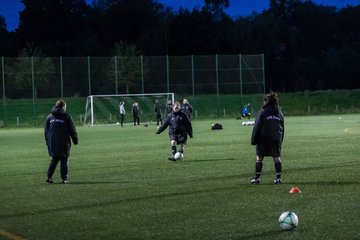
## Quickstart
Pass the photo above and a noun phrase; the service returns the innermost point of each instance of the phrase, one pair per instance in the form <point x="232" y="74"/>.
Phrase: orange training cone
<point x="295" y="190"/>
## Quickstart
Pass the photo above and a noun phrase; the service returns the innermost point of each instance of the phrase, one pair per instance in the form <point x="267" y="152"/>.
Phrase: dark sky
<point x="10" y="8"/>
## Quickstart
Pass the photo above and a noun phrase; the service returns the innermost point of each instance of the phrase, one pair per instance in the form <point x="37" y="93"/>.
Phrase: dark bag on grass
<point x="216" y="126"/>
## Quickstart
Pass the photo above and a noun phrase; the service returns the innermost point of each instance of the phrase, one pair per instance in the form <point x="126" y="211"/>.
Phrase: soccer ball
<point x="288" y="220"/>
<point x="117" y="123"/>
<point x="178" y="156"/>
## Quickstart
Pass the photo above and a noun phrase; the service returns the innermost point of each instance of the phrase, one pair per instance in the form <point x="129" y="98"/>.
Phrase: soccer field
<point x="123" y="187"/>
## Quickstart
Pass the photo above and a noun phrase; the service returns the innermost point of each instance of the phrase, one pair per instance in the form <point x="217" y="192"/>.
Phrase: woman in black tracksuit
<point x="59" y="129"/>
<point x="268" y="135"/>
<point x="157" y="110"/>
<point x="136" y="114"/>
<point x="179" y="127"/>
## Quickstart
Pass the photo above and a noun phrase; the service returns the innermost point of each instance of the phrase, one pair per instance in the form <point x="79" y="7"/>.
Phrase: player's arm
<point x="188" y="126"/>
<point x="46" y="129"/>
<point x="257" y="128"/>
<point x="163" y="126"/>
<point x="282" y="124"/>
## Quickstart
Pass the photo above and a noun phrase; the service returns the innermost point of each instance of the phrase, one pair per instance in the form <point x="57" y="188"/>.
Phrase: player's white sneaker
<point x="255" y="181"/>
<point x="278" y="181"/>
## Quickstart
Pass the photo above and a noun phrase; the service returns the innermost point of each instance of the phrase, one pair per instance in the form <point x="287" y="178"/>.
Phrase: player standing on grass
<point x="179" y="127"/>
<point x="122" y="113"/>
<point x="169" y="107"/>
<point x="157" y="110"/>
<point x="136" y="113"/>
<point x="268" y="135"/>
<point x="187" y="108"/>
<point x="59" y="128"/>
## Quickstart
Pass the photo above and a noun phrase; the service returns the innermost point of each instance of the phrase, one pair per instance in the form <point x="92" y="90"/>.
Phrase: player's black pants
<point x="136" y="120"/>
<point x="122" y="119"/>
<point x="63" y="167"/>
<point x="158" y="119"/>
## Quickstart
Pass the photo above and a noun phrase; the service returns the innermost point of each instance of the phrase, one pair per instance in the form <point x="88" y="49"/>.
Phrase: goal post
<point x="104" y="109"/>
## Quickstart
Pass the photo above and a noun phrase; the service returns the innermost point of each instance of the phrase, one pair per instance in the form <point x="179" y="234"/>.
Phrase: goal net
<point x="104" y="109"/>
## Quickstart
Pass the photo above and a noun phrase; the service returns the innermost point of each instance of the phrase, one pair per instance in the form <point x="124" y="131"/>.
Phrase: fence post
<point x="142" y="73"/>
<point x="217" y="84"/>
<point x="89" y="75"/>
<point x="33" y="87"/>
<point x="3" y="87"/>
<point x="192" y="75"/>
<point x="240" y="75"/>
<point x="3" y="78"/>
<point x="217" y="74"/>
<point x="263" y="71"/>
<point x="61" y="78"/>
<point x="116" y="74"/>
<point x="167" y="74"/>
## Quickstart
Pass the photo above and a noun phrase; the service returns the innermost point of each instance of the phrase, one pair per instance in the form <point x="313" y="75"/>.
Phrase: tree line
<point x="306" y="46"/>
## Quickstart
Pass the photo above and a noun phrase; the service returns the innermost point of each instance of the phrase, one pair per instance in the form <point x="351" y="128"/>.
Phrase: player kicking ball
<point x="179" y="127"/>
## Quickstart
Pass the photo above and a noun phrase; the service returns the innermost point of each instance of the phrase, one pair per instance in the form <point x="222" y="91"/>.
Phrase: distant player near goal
<point x="179" y="127"/>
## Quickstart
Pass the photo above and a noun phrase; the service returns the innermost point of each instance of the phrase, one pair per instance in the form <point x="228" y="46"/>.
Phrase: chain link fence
<point x="32" y="78"/>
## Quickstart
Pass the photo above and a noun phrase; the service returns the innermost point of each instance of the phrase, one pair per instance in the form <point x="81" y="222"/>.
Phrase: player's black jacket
<point x="136" y="111"/>
<point x="157" y="108"/>
<point x="187" y="109"/>
<point x="268" y="131"/>
<point x="178" y="123"/>
<point x="59" y="128"/>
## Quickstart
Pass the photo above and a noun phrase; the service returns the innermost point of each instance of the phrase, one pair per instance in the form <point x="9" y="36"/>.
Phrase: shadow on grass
<point x="319" y="167"/>
<point x="186" y="193"/>
<point x="160" y="196"/>
<point x="211" y="160"/>
<point x="324" y="183"/>
<point x="91" y="183"/>
<point x="302" y="183"/>
<point x="120" y="201"/>
<point x="267" y="235"/>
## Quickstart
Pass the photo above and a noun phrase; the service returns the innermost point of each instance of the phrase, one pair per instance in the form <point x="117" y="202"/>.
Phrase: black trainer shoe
<point x="278" y="181"/>
<point x="172" y="159"/>
<point x="49" y="180"/>
<point x="255" y="181"/>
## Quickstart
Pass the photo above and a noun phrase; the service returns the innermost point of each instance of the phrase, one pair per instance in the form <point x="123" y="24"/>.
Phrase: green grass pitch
<point x="123" y="187"/>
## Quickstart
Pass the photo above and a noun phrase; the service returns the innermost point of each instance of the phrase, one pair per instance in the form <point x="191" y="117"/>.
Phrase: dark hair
<point x="271" y="99"/>
<point x="60" y="104"/>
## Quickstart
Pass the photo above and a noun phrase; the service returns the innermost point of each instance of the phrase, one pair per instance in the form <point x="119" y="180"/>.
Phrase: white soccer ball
<point x="288" y="220"/>
<point x="178" y="156"/>
<point x="117" y="123"/>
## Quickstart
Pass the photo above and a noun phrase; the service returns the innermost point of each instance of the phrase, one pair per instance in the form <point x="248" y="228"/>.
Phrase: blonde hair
<point x="176" y="103"/>
<point x="61" y="104"/>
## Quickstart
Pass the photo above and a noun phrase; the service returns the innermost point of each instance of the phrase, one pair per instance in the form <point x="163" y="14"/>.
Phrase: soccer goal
<point x="104" y="109"/>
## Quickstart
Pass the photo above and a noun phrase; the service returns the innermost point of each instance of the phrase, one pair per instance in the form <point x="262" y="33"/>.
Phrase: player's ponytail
<point x="271" y="99"/>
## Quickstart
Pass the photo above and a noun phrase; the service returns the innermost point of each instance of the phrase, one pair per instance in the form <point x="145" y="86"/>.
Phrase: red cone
<point x="294" y="190"/>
